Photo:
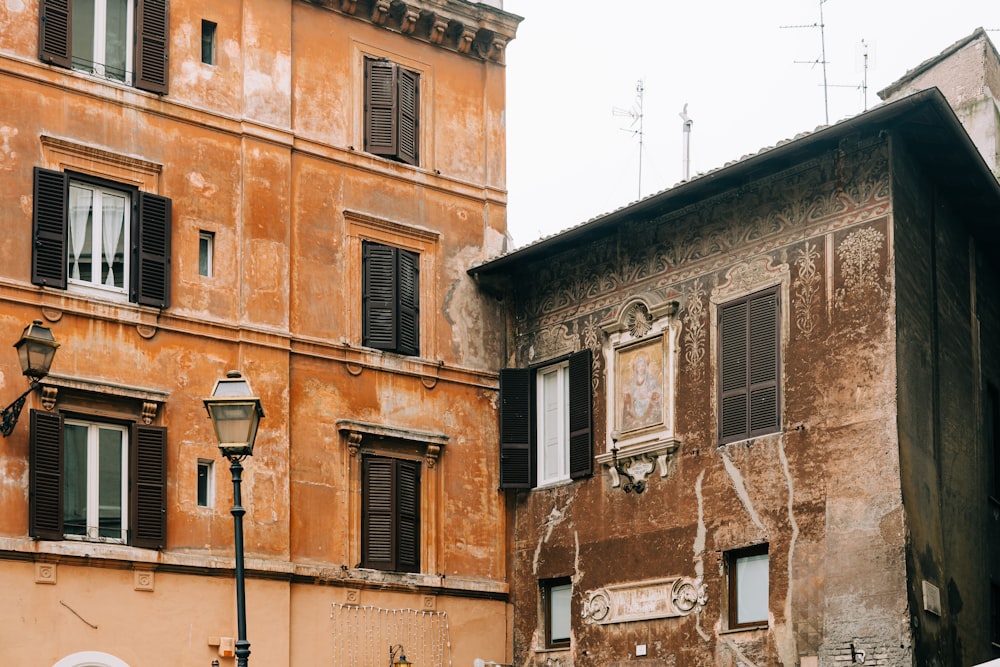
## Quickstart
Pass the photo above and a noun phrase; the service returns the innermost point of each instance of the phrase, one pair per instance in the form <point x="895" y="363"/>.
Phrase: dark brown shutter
<point x="380" y="108"/>
<point x="45" y="463"/>
<point x="152" y="45"/>
<point x="379" y="296"/>
<point x="376" y="513"/>
<point x="517" y="451"/>
<point x="151" y="252"/>
<point x="408" y="303"/>
<point x="55" y="18"/>
<point x="580" y="448"/>
<point x="408" y="115"/>
<point x="763" y="364"/>
<point x="407" y="516"/>
<point x="748" y="368"/>
<point x="48" y="251"/>
<point x="148" y="477"/>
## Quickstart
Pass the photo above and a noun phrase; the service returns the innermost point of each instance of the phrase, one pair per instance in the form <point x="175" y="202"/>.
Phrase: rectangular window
<point x="748" y="587"/>
<point x="206" y="253"/>
<point x="97" y="481"/>
<point x="390" y="298"/>
<point x="749" y="367"/>
<point x="95" y="490"/>
<point x="545" y="423"/>
<point x="208" y="42"/>
<point x="93" y="235"/>
<point x="390" y="507"/>
<point x="557" y="597"/>
<point x="121" y="40"/>
<point x="206" y="483"/>
<point x="392" y="111"/>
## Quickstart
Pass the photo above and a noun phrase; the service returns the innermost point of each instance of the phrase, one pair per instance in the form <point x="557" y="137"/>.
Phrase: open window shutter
<point x="48" y="251"/>
<point x="379" y="296"/>
<point x="517" y="451"/>
<point x="152" y="45"/>
<point x="407" y="516"/>
<point x="377" y="515"/>
<point x="408" y="272"/>
<point x="580" y="448"/>
<point x="408" y="115"/>
<point x="148" y="477"/>
<point x="380" y="108"/>
<point x="763" y="364"/>
<point x="55" y="18"/>
<point x="733" y="399"/>
<point x="151" y="252"/>
<point x="45" y="461"/>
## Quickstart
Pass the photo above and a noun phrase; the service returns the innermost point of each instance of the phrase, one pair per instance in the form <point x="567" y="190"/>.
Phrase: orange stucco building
<point x="295" y="190"/>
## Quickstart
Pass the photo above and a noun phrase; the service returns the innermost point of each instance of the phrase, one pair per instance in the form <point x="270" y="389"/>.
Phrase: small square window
<point x="206" y="252"/>
<point x="557" y="597"/>
<point x="208" y="42"/>
<point x="748" y="587"/>
<point x="206" y="483"/>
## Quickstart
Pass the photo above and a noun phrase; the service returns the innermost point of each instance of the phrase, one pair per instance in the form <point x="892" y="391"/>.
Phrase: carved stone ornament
<point x="645" y="600"/>
<point x="629" y="466"/>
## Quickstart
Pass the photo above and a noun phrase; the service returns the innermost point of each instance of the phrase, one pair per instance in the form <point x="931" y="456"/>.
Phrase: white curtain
<point x="113" y="225"/>
<point x="81" y="203"/>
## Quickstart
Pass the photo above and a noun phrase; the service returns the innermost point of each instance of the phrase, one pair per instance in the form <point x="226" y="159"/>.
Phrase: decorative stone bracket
<point x="629" y="466"/>
<point x="644" y="600"/>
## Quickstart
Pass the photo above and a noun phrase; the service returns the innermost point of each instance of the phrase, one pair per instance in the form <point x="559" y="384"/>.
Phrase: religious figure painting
<point x="640" y="386"/>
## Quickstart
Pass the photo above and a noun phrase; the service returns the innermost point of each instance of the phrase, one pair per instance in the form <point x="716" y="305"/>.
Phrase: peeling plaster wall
<point x="824" y="493"/>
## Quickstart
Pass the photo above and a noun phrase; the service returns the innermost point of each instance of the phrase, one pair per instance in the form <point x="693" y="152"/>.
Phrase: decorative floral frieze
<point x="806" y="287"/>
<point x="694" y="330"/>
<point x="861" y="264"/>
<point x="645" y="600"/>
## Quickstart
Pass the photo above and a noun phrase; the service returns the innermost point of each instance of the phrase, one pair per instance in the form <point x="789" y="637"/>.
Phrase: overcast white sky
<point x="731" y="61"/>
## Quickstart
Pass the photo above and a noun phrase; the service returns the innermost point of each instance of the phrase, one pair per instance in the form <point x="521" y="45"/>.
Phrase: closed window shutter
<point x="148" y="457"/>
<point x="54" y="20"/>
<point x="408" y="117"/>
<point x="379" y="296"/>
<point x="380" y="108"/>
<point x="48" y="250"/>
<point x="152" y="45"/>
<point x="580" y="448"/>
<point x="408" y="323"/>
<point x="377" y="513"/>
<point x="151" y="254"/>
<point x="763" y="366"/>
<point x="45" y="461"/>
<point x="748" y="367"/>
<point x="517" y="451"/>
<point x="407" y="516"/>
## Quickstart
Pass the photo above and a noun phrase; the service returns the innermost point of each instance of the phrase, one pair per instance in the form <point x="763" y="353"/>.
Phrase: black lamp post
<point x="236" y="413"/>
<point x="35" y="350"/>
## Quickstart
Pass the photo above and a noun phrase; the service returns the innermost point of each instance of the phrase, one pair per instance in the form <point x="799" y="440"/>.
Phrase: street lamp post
<point x="35" y="350"/>
<point x="236" y="414"/>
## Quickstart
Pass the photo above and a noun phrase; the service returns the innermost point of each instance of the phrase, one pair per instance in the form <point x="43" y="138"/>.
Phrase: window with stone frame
<point x="557" y="619"/>
<point x="97" y="479"/>
<point x="392" y="111"/>
<point x="100" y="237"/>
<point x="545" y="423"/>
<point x="749" y="366"/>
<point x="120" y="40"/>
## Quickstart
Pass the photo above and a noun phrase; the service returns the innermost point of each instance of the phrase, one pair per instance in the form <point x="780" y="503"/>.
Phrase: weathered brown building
<point x="296" y="190"/>
<point x="753" y="419"/>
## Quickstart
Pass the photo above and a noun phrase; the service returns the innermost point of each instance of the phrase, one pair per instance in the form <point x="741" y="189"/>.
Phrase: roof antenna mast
<point x="686" y="163"/>
<point x="822" y="58"/>
<point x="635" y="113"/>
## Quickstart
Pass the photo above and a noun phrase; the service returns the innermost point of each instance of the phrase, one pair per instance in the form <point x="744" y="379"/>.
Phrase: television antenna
<point x="866" y="58"/>
<point x="822" y="58"/>
<point x="635" y="113"/>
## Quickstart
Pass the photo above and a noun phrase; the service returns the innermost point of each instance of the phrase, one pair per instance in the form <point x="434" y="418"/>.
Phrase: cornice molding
<point x="469" y="28"/>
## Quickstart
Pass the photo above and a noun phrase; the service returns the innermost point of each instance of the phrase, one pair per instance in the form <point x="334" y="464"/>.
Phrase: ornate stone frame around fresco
<point x="644" y="332"/>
